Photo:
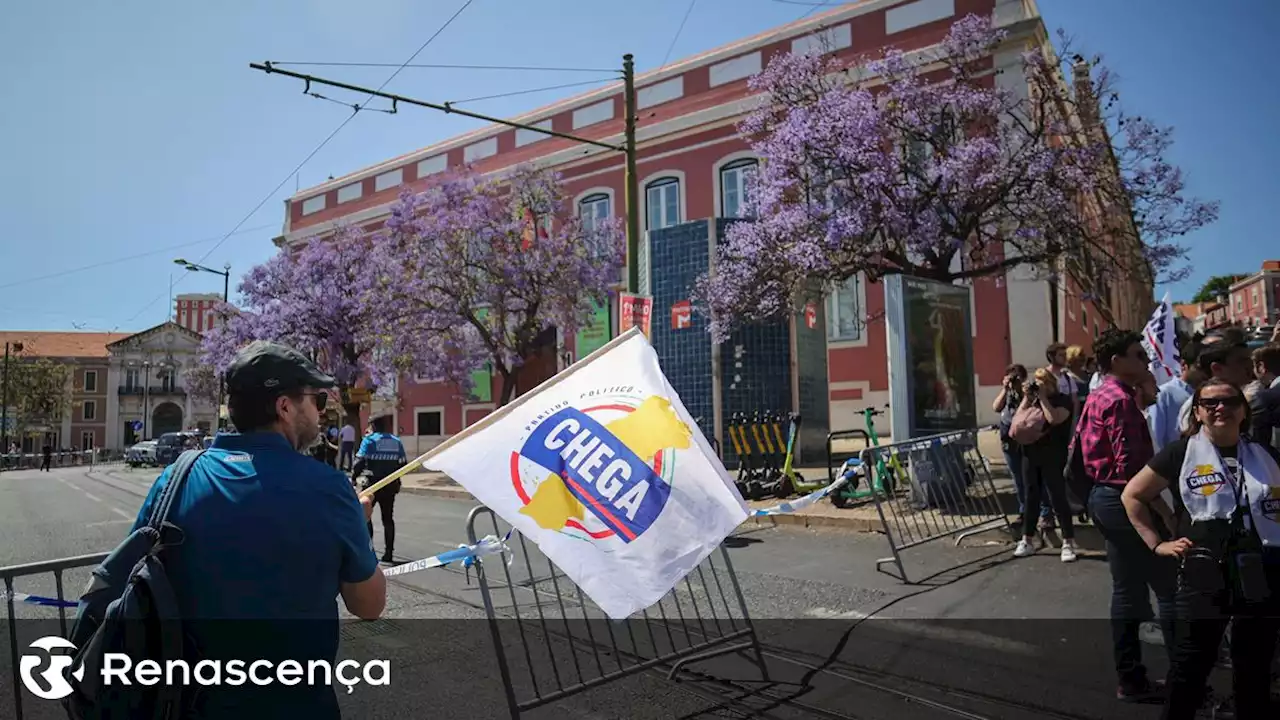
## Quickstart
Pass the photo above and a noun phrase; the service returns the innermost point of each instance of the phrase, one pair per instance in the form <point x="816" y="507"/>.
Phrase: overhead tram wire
<point x="355" y="111"/>
<point x="513" y="68"/>
<point x="534" y="90"/>
<point x="126" y="258"/>
<point x="688" y="11"/>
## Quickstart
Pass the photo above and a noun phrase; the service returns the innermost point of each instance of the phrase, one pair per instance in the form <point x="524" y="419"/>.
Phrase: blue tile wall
<point x="677" y="256"/>
<point x="756" y="372"/>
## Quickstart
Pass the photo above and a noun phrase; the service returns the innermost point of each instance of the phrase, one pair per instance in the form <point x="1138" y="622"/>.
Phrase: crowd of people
<point x="1182" y="479"/>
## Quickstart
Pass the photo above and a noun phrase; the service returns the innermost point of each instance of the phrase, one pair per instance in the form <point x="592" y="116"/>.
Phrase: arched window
<point x="592" y="209"/>
<point x="662" y="200"/>
<point x="736" y="180"/>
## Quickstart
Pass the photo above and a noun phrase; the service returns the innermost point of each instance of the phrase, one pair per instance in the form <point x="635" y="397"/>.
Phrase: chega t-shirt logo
<point x="1271" y="504"/>
<point x="599" y="468"/>
<point x="1205" y="480"/>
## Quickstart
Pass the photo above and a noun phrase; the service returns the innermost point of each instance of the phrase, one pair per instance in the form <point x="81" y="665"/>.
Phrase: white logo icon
<point x="55" y="675"/>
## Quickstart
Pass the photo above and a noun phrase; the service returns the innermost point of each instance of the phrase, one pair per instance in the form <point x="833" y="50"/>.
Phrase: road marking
<point x="121" y="513"/>
<point x="102" y="523"/>
<point x="93" y="497"/>
<point x="828" y="614"/>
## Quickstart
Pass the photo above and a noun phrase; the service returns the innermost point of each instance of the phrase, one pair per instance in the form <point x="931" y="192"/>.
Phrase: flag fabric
<point x="603" y="468"/>
<point x="1159" y="340"/>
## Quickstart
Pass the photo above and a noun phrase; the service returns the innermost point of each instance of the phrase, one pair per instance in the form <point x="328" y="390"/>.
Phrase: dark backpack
<point x="129" y="607"/>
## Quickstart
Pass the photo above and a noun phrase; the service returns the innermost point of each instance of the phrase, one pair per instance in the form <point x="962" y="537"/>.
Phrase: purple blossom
<point x="914" y="173"/>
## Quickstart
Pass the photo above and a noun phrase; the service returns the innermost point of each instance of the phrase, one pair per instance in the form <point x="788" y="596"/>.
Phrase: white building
<point x="145" y="385"/>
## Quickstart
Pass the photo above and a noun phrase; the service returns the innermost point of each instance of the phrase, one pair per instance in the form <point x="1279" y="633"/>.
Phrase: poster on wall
<point x="635" y="311"/>
<point x="682" y="315"/>
<point x="930" y="356"/>
<point x="594" y="334"/>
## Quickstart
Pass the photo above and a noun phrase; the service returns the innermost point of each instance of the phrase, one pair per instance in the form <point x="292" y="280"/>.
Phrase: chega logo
<point x="599" y="469"/>
<point x="1205" y="480"/>
<point x="54" y="676"/>
<point x="1271" y="504"/>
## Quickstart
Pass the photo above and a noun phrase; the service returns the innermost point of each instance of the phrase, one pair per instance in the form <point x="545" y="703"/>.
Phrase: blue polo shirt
<point x="269" y="535"/>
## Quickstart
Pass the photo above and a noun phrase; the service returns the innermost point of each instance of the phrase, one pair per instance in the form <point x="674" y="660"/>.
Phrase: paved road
<point x="996" y="638"/>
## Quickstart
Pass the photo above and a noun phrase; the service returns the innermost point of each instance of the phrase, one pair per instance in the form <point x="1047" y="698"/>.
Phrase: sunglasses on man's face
<point x="320" y="399"/>
<point x="1230" y="403"/>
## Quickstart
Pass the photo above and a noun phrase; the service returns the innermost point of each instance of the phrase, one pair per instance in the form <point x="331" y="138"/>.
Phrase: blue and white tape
<point x="488" y="545"/>
<point x="43" y="601"/>
<point x="801" y="503"/>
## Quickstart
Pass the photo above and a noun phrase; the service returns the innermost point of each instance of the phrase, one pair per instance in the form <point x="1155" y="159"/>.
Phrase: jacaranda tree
<point x="480" y="269"/>
<point x="320" y="300"/>
<point x="945" y="174"/>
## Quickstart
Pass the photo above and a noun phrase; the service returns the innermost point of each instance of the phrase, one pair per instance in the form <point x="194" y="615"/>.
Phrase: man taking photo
<point x="271" y="537"/>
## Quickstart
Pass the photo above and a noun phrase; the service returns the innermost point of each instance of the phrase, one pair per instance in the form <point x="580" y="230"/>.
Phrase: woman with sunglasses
<point x="1227" y="541"/>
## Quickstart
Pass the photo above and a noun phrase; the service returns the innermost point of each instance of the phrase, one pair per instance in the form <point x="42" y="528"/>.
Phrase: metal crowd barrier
<point x="12" y="572"/>
<point x="704" y="617"/>
<point x="949" y="493"/>
<point x="34" y="461"/>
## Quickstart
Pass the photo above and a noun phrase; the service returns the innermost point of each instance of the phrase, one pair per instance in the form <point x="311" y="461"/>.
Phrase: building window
<point x="90" y="411"/>
<point x="130" y="379"/>
<point x="86" y="440"/>
<point x="844" y="310"/>
<point x="736" y="180"/>
<point x="166" y="382"/>
<point x="427" y="379"/>
<point x="90" y="381"/>
<point x="662" y="198"/>
<point x="593" y="209"/>
<point x="1253" y="297"/>
<point x="1084" y="317"/>
<point x="430" y="423"/>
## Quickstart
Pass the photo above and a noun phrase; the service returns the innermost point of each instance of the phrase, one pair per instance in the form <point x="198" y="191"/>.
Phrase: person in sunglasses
<point x="1227" y="543"/>
<point x="271" y="538"/>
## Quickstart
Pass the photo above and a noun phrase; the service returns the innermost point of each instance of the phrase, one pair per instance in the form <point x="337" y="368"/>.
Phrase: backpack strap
<point x="173" y="489"/>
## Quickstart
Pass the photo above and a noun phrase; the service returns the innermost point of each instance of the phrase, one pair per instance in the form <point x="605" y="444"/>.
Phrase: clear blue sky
<point x="134" y="126"/>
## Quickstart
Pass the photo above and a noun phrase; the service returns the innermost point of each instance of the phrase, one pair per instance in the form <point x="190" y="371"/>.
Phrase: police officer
<point x="382" y="453"/>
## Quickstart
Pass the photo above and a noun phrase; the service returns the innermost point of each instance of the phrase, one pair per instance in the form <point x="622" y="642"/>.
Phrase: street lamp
<point x="225" y="272"/>
<point x="4" y="398"/>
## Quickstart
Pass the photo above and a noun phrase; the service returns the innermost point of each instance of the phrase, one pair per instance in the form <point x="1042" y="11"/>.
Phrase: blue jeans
<point x="1013" y="458"/>
<point x="1136" y="573"/>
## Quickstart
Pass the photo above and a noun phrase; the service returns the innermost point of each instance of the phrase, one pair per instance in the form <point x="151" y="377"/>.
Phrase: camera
<point x="1033" y="387"/>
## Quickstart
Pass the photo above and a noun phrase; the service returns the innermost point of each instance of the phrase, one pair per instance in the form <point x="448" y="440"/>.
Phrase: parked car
<point x="143" y="453"/>
<point x="170" y="445"/>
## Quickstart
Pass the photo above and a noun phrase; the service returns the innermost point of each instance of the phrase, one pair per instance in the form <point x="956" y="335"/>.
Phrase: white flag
<point x="1159" y="340"/>
<point x="603" y="468"/>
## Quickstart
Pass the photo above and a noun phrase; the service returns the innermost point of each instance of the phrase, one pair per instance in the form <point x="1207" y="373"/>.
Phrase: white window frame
<point x="595" y="195"/>
<point x="726" y="164"/>
<point x="427" y="379"/>
<point x="85" y="413"/>
<point x="473" y="406"/>
<point x="663" y="178"/>
<point x="132" y="378"/>
<point x="833" y="315"/>
<point x="426" y="409"/>
<point x="91" y="374"/>
<point x="87" y="439"/>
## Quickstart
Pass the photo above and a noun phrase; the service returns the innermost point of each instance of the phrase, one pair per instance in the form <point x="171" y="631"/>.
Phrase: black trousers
<point x="44" y="463"/>
<point x="1041" y="474"/>
<point x="1200" y="620"/>
<point x="1136" y="573"/>
<point x="385" y="500"/>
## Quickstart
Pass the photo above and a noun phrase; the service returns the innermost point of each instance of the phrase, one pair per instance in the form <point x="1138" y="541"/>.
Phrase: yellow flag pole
<point x="501" y="412"/>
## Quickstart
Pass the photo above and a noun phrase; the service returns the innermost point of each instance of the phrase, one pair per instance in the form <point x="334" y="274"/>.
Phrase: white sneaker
<point x="1024" y="549"/>
<point x="1068" y="551"/>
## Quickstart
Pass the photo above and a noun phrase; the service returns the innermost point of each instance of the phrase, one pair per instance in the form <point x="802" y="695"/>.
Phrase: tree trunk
<point x="351" y="414"/>
<point x="508" y="387"/>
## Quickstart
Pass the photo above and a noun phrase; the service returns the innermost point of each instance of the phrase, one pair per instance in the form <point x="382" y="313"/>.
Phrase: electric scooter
<point x="770" y="475"/>
<point x="792" y="481"/>
<point x="742" y="448"/>
<point x="884" y="476"/>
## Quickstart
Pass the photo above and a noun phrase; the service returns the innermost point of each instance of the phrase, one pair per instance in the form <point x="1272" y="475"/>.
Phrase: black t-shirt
<point x="1053" y="444"/>
<point x="1168" y="464"/>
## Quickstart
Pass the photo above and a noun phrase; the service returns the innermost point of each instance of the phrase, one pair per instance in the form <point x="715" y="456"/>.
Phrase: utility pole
<point x="4" y="400"/>
<point x="633" y="182"/>
<point x="628" y="148"/>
